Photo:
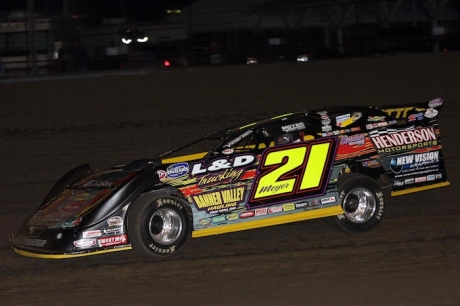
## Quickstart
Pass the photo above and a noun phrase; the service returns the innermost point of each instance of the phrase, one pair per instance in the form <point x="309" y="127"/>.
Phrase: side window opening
<point x="246" y="144"/>
<point x="247" y="140"/>
<point x="289" y="131"/>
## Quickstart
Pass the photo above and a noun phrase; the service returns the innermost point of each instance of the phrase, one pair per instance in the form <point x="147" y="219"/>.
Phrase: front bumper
<point x="56" y="243"/>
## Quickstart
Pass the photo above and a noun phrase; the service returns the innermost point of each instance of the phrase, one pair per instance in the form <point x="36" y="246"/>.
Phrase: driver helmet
<point x="287" y="138"/>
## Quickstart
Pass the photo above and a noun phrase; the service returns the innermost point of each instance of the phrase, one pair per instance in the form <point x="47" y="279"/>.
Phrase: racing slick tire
<point x="363" y="202"/>
<point x="160" y="226"/>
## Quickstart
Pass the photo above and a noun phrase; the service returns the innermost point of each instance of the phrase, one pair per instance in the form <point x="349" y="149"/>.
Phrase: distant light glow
<point x="167" y="64"/>
<point x="173" y="11"/>
<point x="141" y="40"/>
<point x="126" y="40"/>
<point x="251" y="60"/>
<point x="302" y="58"/>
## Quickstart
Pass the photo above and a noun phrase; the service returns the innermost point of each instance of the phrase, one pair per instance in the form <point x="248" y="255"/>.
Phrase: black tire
<point x="359" y="217"/>
<point x="160" y="226"/>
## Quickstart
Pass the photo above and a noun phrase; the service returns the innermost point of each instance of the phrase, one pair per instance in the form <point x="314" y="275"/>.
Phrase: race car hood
<point x="66" y="209"/>
<point x="87" y="205"/>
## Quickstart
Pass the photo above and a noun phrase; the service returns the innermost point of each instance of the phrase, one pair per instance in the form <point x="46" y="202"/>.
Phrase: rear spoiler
<point x="414" y="111"/>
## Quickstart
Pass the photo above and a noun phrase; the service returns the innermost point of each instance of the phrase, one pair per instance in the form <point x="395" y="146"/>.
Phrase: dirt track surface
<point x="47" y="128"/>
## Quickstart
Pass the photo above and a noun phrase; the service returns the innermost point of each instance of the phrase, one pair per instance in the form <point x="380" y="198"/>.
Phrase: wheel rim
<point x="359" y="205"/>
<point x="165" y="226"/>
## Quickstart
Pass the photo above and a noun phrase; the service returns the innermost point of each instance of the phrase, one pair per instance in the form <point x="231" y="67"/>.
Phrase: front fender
<point x="70" y="178"/>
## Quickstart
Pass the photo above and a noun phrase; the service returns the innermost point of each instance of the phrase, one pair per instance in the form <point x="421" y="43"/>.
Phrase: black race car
<point x="341" y="163"/>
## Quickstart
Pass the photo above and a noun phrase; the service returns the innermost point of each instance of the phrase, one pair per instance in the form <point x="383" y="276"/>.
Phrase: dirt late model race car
<point x="341" y="163"/>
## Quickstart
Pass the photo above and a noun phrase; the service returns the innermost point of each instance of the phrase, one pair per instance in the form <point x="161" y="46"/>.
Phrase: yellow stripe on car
<point x="62" y="256"/>
<point x="301" y="216"/>
<point x="417" y="189"/>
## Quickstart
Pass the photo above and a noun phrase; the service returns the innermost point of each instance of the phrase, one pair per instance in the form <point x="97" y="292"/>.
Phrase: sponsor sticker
<point x="431" y="113"/>
<point x="371" y="163"/>
<point x="356" y="115"/>
<point x="390" y="140"/>
<point x="327" y="200"/>
<point x="177" y="170"/>
<point x="347" y="119"/>
<point x="413" y="117"/>
<point x="357" y="139"/>
<point x="113" y="230"/>
<point x="32" y="242"/>
<point x="228" y="151"/>
<point x="314" y="203"/>
<point x="219" y="201"/>
<point x="293" y="127"/>
<point x="92" y="234"/>
<point x="238" y="139"/>
<point x="342" y="118"/>
<point x="435" y="102"/>
<point x="115" y="221"/>
<point x="275" y="209"/>
<point x="413" y="162"/>
<point x="247" y="214"/>
<point x="261" y="211"/>
<point x="400" y="112"/>
<point x="375" y="118"/>
<point x="84" y="243"/>
<point x="288" y="207"/>
<point x="301" y="205"/>
<point x="218" y="219"/>
<point x="161" y="174"/>
<point x="227" y="176"/>
<point x="204" y="222"/>
<point x="232" y="217"/>
<point x="409" y="181"/>
<point x="221" y="164"/>
<point x="113" y="240"/>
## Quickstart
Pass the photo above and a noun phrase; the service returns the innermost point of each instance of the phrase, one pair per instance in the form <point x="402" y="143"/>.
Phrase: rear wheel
<point x="363" y="203"/>
<point x="159" y="227"/>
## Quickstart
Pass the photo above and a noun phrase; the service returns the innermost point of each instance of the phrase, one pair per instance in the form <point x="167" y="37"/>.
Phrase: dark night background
<point x="94" y="9"/>
<point x="235" y="30"/>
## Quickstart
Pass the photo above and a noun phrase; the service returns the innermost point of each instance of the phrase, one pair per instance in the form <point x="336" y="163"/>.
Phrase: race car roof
<point x="367" y="111"/>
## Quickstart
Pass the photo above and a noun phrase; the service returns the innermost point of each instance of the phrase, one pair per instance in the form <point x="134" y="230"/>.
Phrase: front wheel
<point x="363" y="203"/>
<point x="160" y="226"/>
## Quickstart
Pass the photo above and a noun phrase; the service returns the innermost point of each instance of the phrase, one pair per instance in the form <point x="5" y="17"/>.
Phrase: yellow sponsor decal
<point x="219" y="201"/>
<point x="398" y="113"/>
<point x="232" y="217"/>
<point x="288" y="207"/>
<point x="228" y="176"/>
<point x="347" y="122"/>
